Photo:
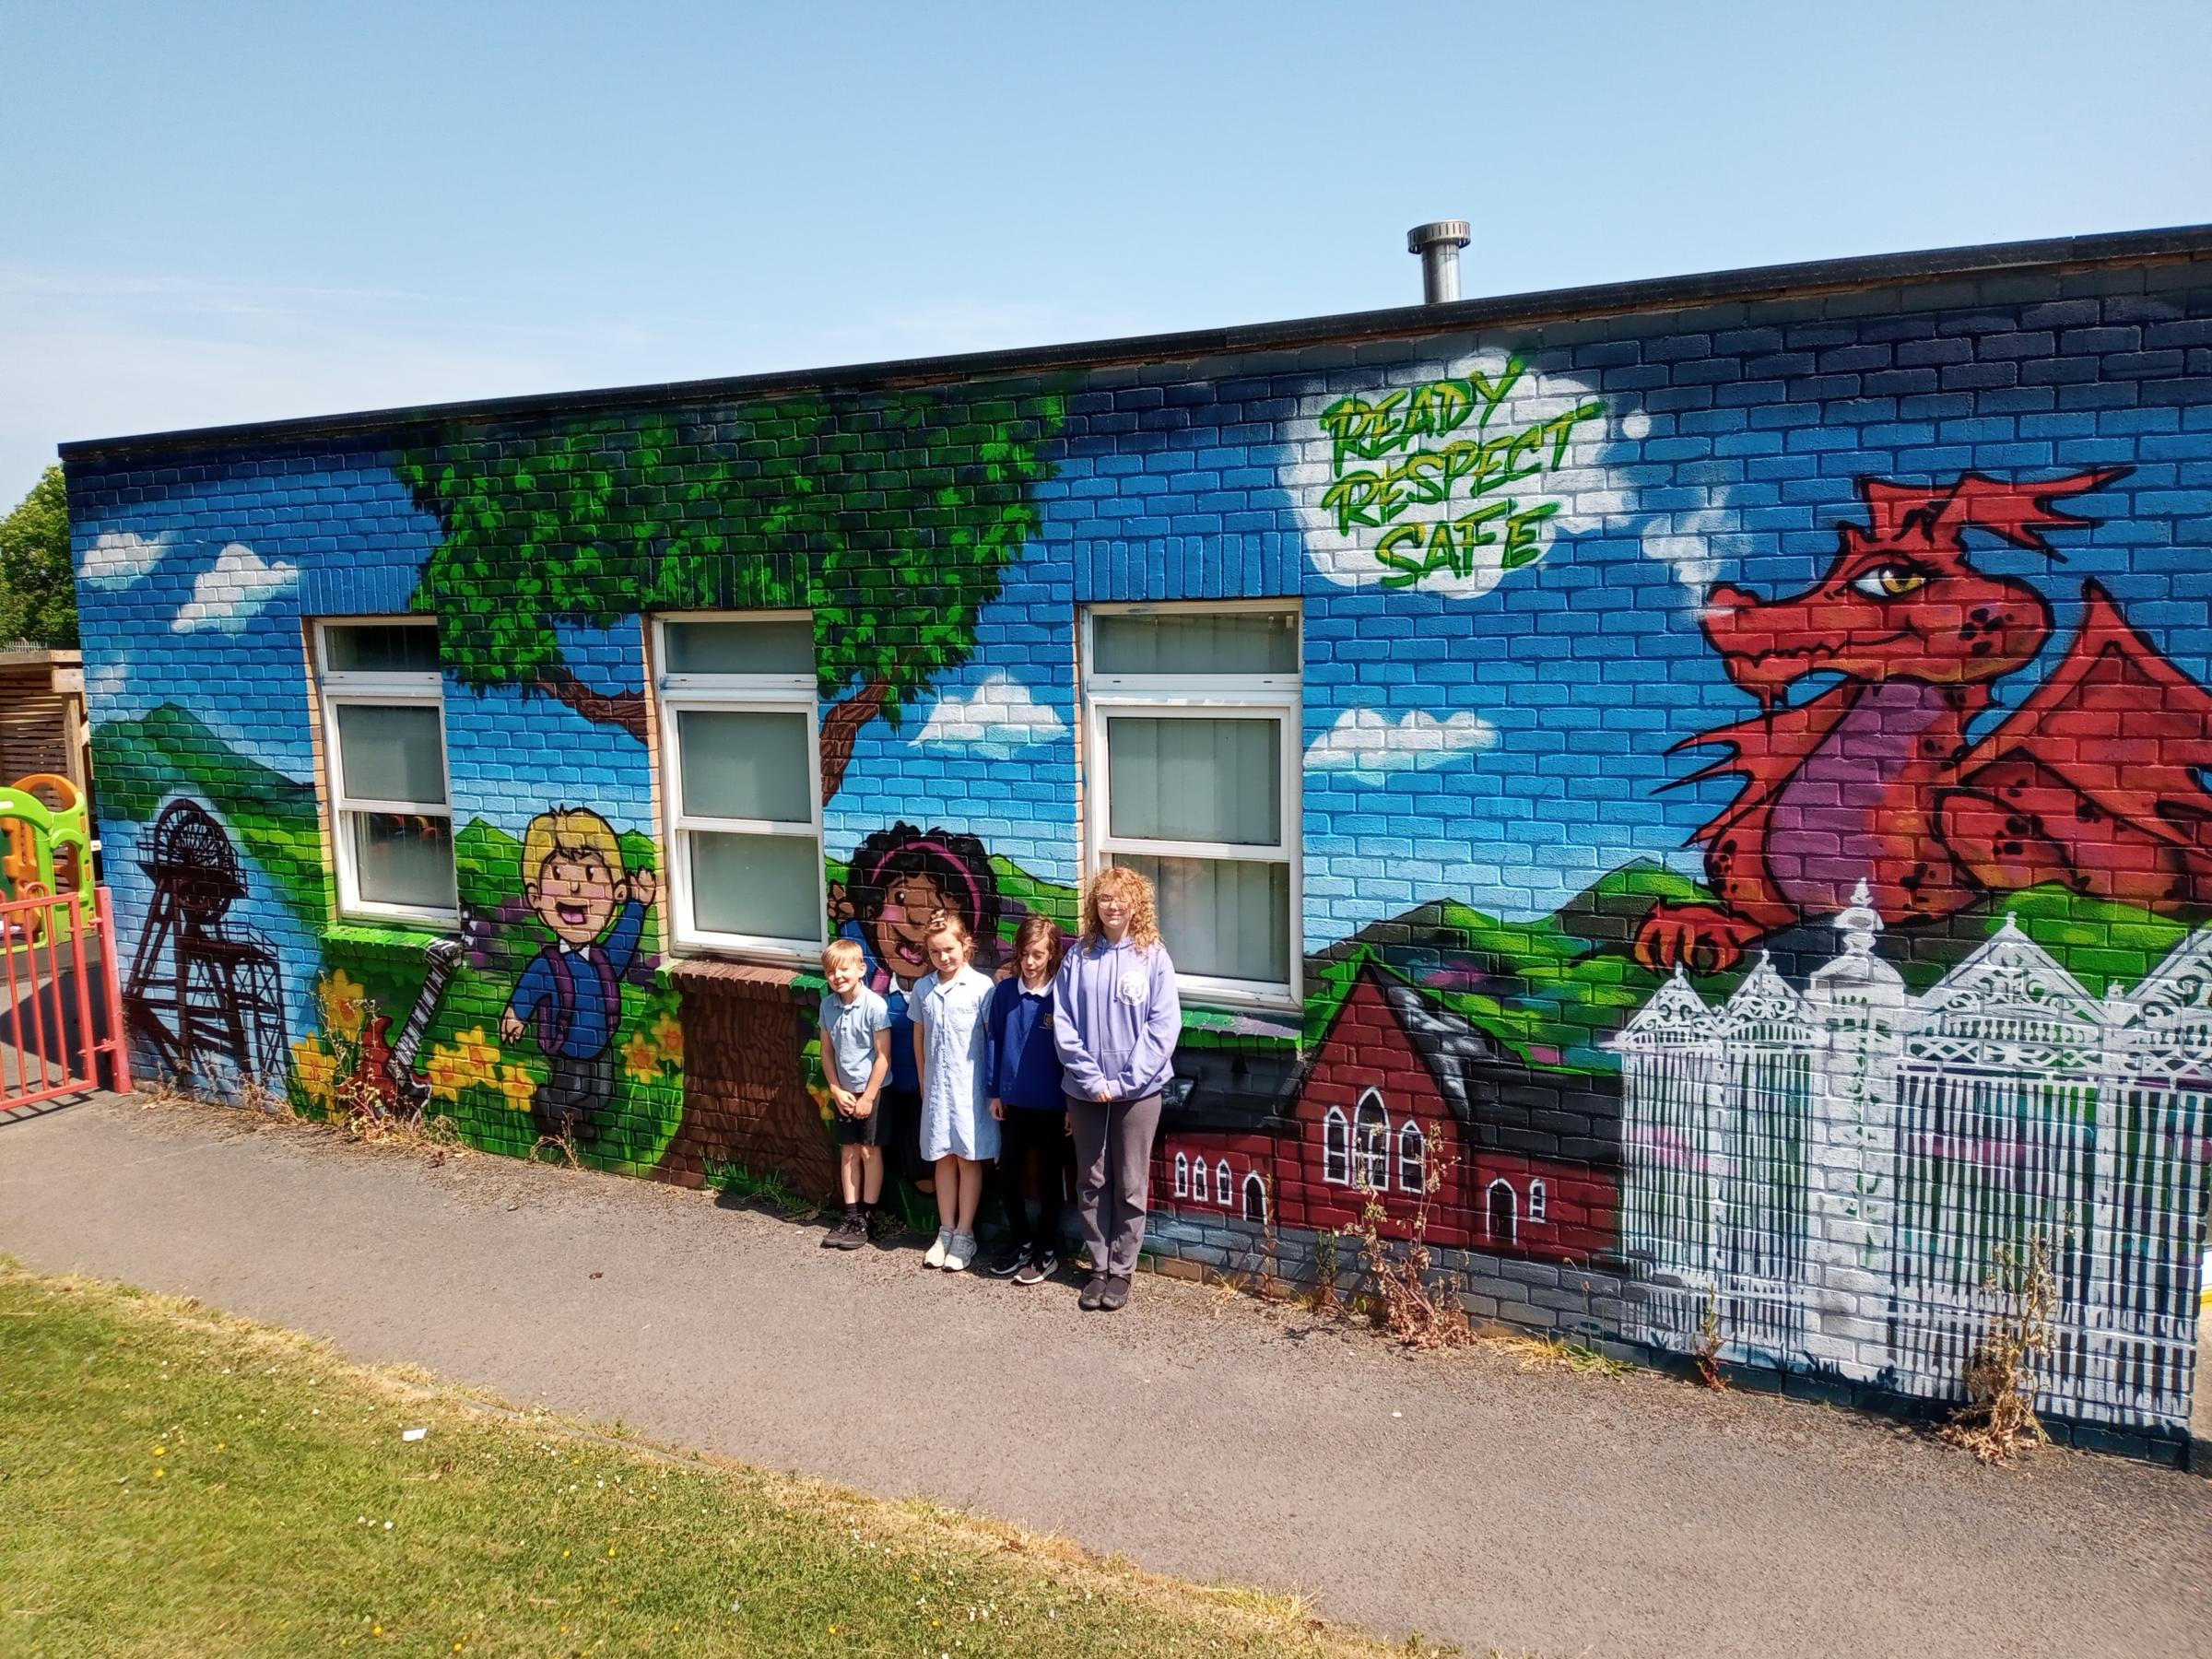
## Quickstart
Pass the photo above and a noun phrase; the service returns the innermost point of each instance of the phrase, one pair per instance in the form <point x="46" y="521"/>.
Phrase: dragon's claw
<point x="1698" y="938"/>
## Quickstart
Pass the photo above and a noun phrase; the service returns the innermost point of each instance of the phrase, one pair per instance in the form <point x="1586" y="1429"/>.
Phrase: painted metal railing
<point x="61" y="1005"/>
<point x="1841" y="1178"/>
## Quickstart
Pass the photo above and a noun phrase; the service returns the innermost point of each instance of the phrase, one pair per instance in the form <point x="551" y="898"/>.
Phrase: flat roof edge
<point x="2173" y="244"/>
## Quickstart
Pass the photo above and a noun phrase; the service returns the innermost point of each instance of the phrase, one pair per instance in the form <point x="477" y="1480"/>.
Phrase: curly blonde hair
<point x="1135" y="892"/>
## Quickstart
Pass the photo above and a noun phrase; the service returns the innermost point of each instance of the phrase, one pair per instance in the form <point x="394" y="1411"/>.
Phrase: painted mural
<point x="1633" y="648"/>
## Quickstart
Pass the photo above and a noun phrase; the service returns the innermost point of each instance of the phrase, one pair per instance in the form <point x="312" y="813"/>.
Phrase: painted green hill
<point x="141" y="763"/>
<point x="1555" y="988"/>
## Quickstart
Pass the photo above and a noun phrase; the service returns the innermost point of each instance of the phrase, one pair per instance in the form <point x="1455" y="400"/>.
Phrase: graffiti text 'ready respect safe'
<point x="1409" y="432"/>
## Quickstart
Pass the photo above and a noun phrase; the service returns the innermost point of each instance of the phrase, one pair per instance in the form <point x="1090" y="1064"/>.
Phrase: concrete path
<point x="1197" y="1433"/>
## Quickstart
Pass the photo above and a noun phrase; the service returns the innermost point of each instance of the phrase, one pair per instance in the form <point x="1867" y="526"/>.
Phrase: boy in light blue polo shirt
<point x="856" y="1024"/>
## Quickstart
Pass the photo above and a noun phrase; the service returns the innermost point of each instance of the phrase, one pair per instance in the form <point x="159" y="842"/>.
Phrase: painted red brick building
<point x="1397" y="1088"/>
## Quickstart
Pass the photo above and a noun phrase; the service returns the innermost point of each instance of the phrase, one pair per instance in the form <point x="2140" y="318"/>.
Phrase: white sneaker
<point x="960" y="1253"/>
<point x="936" y="1256"/>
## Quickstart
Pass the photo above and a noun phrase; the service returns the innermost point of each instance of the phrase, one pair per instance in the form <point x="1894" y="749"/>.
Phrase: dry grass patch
<point x="274" y="1485"/>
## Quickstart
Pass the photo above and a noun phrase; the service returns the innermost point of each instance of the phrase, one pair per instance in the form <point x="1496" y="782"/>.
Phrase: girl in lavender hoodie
<point x="1115" y="1021"/>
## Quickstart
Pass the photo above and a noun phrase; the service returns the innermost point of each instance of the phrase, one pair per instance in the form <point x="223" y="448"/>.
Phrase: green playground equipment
<point x="49" y="850"/>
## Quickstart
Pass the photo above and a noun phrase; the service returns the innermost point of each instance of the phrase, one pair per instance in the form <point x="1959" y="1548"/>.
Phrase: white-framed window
<point x="1182" y="1175"/>
<point x="1224" y="1191"/>
<point x="741" y="762"/>
<point x="383" y="741"/>
<point x="1412" y="1158"/>
<point x="1535" y="1201"/>
<point x="1192" y="771"/>
<point x="1336" y="1148"/>
<point x="1371" y="1141"/>
<point x="1198" y="1180"/>
<point x="1256" y="1198"/>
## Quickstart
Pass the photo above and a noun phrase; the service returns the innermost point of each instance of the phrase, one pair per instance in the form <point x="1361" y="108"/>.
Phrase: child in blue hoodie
<point x="1027" y="1097"/>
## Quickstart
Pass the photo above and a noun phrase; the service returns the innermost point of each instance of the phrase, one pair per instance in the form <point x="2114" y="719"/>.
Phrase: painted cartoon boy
<point x="572" y="863"/>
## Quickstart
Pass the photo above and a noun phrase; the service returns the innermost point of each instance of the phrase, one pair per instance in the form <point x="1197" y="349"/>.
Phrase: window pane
<point x="779" y="646"/>
<point x="739" y="763"/>
<point x="391" y="752"/>
<point x="1196" y="780"/>
<point x="401" y="859"/>
<point x="382" y="648"/>
<point x="765" y="886"/>
<point x="1226" y="919"/>
<point x="1192" y="642"/>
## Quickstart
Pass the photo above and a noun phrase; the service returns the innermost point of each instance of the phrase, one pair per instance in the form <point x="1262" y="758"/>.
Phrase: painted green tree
<point x="890" y="516"/>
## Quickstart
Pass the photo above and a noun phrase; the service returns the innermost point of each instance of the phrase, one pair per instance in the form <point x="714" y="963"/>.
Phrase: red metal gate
<point x="61" y="1008"/>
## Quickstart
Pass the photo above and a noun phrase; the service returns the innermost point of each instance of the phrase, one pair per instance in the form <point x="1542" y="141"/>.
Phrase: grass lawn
<point x="174" y="1481"/>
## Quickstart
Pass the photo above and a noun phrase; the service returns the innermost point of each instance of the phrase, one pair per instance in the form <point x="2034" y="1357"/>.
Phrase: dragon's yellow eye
<point x="1887" y="581"/>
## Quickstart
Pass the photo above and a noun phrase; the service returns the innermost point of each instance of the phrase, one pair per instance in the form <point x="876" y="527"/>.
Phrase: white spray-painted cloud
<point x="1694" y="544"/>
<point x="118" y="558"/>
<point x="999" y="717"/>
<point x="1576" y="487"/>
<point x="1368" y="743"/>
<point x="229" y="592"/>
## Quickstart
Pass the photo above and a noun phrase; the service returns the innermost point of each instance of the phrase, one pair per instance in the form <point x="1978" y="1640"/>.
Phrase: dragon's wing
<point x="2100" y="765"/>
<point x="1765" y="752"/>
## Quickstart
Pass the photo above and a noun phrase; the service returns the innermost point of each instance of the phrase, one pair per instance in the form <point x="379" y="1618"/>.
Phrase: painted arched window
<point x="1198" y="1180"/>
<point x="1535" y="1201"/>
<point x="1501" y="1216"/>
<point x="1412" y="1158"/>
<point x="1336" y="1149"/>
<point x="1371" y="1139"/>
<point x="1182" y="1175"/>
<point x="1224" y="1193"/>
<point x="1256" y="1198"/>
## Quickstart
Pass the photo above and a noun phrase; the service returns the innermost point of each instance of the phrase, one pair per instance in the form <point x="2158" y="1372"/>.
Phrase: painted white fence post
<point x="1860" y="1002"/>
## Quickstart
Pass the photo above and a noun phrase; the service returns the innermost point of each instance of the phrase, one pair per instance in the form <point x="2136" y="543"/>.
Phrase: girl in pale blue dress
<point x="958" y="1134"/>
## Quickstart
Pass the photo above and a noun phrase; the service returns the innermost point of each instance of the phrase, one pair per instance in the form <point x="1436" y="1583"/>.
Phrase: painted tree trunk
<point x="746" y="1100"/>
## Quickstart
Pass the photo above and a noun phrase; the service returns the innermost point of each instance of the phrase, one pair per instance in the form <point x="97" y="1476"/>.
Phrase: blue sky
<point x="229" y="212"/>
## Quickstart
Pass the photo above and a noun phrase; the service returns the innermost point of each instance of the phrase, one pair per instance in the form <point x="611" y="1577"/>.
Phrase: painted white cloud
<point x="997" y="718"/>
<point x="229" y="592"/>
<point x="118" y="558"/>
<point x="1367" y="741"/>
<point x="1695" y="545"/>
<point x="1470" y="443"/>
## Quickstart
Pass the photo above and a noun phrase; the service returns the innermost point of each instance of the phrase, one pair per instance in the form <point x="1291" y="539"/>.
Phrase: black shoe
<point x="1011" y="1262"/>
<point x="851" y="1233"/>
<point x="1115" y="1297"/>
<point x="835" y="1238"/>
<point x="1037" y="1269"/>
<point x="1094" y="1294"/>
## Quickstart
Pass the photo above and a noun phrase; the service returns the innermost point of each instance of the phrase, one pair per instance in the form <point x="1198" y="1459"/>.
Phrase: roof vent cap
<point x="1438" y="243"/>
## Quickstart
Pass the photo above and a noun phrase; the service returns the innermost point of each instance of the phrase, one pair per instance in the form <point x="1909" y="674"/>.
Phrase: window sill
<point x="705" y="971"/>
<point x="412" y="938"/>
<point x="1240" y="1028"/>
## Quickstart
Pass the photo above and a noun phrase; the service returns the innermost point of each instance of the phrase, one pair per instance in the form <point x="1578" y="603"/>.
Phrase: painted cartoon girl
<point x="899" y="882"/>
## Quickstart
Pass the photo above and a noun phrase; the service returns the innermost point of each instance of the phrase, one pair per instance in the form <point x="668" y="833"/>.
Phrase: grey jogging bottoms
<point x="1113" y="1178"/>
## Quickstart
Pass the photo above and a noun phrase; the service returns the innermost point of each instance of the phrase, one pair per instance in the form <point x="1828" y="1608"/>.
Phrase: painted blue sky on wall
<point x="1499" y="734"/>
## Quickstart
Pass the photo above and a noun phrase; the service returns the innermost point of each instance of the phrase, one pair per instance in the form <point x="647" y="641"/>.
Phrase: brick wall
<point x="1934" y="556"/>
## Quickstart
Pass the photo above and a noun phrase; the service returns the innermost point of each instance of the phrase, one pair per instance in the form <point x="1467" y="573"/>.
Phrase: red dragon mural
<point x="2091" y="782"/>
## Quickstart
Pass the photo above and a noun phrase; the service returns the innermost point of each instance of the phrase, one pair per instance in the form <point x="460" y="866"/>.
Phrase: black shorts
<point x="863" y="1131"/>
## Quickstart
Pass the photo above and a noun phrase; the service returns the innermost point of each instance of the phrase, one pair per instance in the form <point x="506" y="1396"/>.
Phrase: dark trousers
<point x="1113" y="1178"/>
<point x="1029" y="1170"/>
<point x="901" y="1110"/>
<point x="576" y="1095"/>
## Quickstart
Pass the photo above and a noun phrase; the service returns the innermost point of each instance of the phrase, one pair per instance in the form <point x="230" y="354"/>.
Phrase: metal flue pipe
<point x="1439" y="244"/>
